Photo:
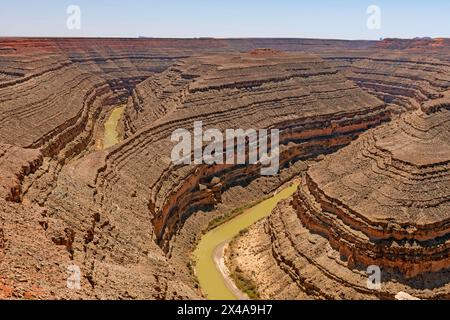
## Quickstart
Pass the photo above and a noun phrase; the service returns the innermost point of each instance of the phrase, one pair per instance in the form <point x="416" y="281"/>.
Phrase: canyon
<point x="362" y="124"/>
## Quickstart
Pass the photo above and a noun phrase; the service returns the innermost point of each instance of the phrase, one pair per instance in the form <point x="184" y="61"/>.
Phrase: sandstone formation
<point x="391" y="188"/>
<point x="402" y="80"/>
<point x="128" y="217"/>
<point x="382" y="201"/>
<point x="301" y="95"/>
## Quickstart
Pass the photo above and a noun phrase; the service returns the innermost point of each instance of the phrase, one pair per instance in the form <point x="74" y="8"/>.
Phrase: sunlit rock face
<point x="121" y="215"/>
<point x="385" y="199"/>
<point x="382" y="201"/>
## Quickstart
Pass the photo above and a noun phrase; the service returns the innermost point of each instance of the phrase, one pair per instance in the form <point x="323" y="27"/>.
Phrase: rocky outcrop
<point x="315" y="108"/>
<point x="382" y="201"/>
<point x="136" y="184"/>
<point x="286" y="260"/>
<point x="127" y="217"/>
<point x="402" y="80"/>
<point x="31" y="266"/>
<point x="15" y="164"/>
<point x="387" y="204"/>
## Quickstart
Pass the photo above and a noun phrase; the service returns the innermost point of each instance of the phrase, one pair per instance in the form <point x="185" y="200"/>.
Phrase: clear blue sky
<point x="344" y="19"/>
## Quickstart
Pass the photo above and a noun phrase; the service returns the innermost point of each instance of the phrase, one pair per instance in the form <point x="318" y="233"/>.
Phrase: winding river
<point x="111" y="135"/>
<point x="210" y="269"/>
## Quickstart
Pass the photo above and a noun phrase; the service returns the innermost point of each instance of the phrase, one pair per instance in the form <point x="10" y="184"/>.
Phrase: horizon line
<point x="216" y="38"/>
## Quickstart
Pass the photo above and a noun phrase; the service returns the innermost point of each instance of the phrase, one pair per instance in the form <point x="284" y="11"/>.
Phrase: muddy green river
<point x="112" y="136"/>
<point x="212" y="283"/>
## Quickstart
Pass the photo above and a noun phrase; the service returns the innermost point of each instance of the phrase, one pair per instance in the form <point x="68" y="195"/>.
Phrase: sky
<point x="339" y="19"/>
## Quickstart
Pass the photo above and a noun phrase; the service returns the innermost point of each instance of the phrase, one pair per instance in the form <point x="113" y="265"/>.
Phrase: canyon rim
<point x="119" y="155"/>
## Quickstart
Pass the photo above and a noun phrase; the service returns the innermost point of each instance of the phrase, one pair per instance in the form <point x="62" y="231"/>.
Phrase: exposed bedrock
<point x="315" y="108"/>
<point x="31" y="265"/>
<point x="107" y="209"/>
<point x="137" y="196"/>
<point x="287" y="260"/>
<point x="388" y="203"/>
<point x="383" y="200"/>
<point x="114" y="212"/>
<point x="402" y="79"/>
<point x="15" y="164"/>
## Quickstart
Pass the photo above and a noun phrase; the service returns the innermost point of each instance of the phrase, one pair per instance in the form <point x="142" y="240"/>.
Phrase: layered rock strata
<point x="119" y="203"/>
<point x="403" y="80"/>
<point x="393" y="192"/>
<point x="382" y="201"/>
<point x="280" y="91"/>
<point x="122" y="214"/>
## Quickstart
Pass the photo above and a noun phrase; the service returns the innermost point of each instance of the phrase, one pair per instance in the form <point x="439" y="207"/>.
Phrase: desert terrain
<point x="87" y="181"/>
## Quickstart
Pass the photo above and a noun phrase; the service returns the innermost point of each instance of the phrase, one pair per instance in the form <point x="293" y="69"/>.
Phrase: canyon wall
<point x="381" y="201"/>
<point x="120" y="214"/>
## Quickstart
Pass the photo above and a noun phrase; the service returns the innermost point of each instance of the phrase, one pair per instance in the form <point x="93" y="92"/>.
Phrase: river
<point x="111" y="135"/>
<point x="209" y="252"/>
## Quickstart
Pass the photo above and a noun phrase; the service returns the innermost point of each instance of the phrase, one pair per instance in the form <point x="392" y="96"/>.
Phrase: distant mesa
<point x="415" y="43"/>
<point x="265" y="52"/>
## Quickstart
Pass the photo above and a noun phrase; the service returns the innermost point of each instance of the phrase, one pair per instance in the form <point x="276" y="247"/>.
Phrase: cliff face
<point x="15" y="164"/>
<point x="383" y="200"/>
<point x="128" y="217"/>
<point x="316" y="109"/>
<point x="400" y="167"/>
<point x="404" y="80"/>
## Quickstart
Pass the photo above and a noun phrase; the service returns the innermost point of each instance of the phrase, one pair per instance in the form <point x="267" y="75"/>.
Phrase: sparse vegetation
<point x="244" y="284"/>
<point x="191" y="267"/>
<point x="243" y="232"/>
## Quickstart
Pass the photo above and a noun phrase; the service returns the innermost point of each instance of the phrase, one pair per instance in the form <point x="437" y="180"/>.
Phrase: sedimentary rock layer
<point x="114" y="206"/>
<point x="286" y="260"/>
<point x="387" y="202"/>
<point x="302" y="96"/>
<point x="114" y="213"/>
<point x="402" y="79"/>
<point x="382" y="201"/>
<point x="15" y="164"/>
